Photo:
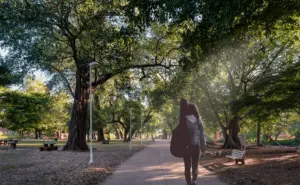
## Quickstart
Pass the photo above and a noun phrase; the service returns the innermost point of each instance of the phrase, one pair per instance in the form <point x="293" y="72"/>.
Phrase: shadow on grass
<point x="267" y="169"/>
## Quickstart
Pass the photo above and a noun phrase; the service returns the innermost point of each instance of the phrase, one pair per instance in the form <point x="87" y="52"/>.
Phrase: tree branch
<point x="169" y="52"/>
<point x="62" y="75"/>
<point x="107" y="76"/>
<point x="212" y="106"/>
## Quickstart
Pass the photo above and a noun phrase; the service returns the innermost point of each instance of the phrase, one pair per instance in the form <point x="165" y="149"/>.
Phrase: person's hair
<point x="192" y="109"/>
<point x="183" y="105"/>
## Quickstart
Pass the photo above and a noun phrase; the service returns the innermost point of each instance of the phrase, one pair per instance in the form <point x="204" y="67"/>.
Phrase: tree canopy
<point x="238" y="59"/>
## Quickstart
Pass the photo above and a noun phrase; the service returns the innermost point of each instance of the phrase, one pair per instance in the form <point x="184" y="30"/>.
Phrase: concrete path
<point x="156" y="166"/>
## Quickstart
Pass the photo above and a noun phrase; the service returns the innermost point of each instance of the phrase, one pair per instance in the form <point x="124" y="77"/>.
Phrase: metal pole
<point x="141" y="127"/>
<point x="151" y="132"/>
<point x="91" y="119"/>
<point x="130" y="128"/>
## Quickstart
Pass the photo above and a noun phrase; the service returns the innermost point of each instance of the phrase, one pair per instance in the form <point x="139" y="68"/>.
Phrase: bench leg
<point x="243" y="161"/>
<point x="239" y="160"/>
<point x="236" y="161"/>
<point x="13" y="146"/>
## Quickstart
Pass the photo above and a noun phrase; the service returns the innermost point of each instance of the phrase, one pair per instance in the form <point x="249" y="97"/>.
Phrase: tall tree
<point x="59" y="35"/>
<point x="235" y="69"/>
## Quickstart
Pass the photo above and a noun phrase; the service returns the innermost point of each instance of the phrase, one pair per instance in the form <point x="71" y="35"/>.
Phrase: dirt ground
<point x="264" y="166"/>
<point x="30" y="166"/>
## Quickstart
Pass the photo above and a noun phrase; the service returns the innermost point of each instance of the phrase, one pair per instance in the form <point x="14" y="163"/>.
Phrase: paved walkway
<point x="156" y="166"/>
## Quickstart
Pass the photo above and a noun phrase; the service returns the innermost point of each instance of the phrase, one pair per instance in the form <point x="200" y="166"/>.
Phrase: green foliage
<point x="297" y="135"/>
<point x="229" y="57"/>
<point x="295" y="130"/>
<point x="289" y="142"/>
<point x="59" y="113"/>
<point x="34" y="109"/>
<point x="22" y="111"/>
<point x="214" y="20"/>
<point x="7" y="77"/>
<point x="273" y="94"/>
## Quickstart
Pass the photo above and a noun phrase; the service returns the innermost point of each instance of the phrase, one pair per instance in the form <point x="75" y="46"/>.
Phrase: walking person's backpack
<point x="179" y="141"/>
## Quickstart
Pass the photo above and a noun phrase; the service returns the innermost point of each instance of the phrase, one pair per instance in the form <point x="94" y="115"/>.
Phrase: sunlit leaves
<point x="23" y="111"/>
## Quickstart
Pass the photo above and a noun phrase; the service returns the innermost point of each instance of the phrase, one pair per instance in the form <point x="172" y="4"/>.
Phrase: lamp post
<point x="141" y="127"/>
<point x="130" y="129"/>
<point x="91" y="117"/>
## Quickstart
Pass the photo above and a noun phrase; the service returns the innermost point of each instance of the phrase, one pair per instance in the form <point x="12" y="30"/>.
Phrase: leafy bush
<point x="251" y="137"/>
<point x="295" y="131"/>
<point x="287" y="142"/>
<point x="221" y="140"/>
<point x="297" y="136"/>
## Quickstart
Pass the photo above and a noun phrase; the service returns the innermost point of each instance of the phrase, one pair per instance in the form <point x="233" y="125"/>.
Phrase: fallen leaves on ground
<point x="58" y="167"/>
<point x="260" y="169"/>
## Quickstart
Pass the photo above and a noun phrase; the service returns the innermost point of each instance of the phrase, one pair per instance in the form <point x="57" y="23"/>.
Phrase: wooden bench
<point x="48" y="146"/>
<point x="106" y="141"/>
<point x="13" y="144"/>
<point x="42" y="148"/>
<point x="237" y="155"/>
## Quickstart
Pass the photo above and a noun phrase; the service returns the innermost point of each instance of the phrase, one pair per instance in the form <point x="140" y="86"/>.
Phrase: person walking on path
<point x="190" y="116"/>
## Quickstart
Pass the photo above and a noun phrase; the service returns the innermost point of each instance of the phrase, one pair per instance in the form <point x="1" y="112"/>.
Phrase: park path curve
<point x="156" y="166"/>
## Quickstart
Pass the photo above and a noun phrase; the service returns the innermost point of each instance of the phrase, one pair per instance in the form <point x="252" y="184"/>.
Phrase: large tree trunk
<point x="101" y="127"/>
<point x="59" y="134"/>
<point x="165" y="135"/>
<point x="121" y="135"/>
<point x="39" y="134"/>
<point x="132" y="133"/>
<point x="258" y="135"/>
<point x="116" y="132"/>
<point x="101" y="134"/>
<point x="77" y="124"/>
<point x="277" y="135"/>
<point x="126" y="131"/>
<point x="232" y="140"/>
<point x="36" y="134"/>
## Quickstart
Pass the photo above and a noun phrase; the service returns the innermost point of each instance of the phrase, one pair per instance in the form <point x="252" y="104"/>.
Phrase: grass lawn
<point x="3" y="137"/>
<point x="117" y="145"/>
<point x="113" y="145"/>
<point x="284" y="142"/>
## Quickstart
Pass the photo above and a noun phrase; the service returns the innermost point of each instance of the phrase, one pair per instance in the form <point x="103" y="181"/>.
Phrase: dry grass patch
<point x="30" y="166"/>
<point x="263" y="166"/>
